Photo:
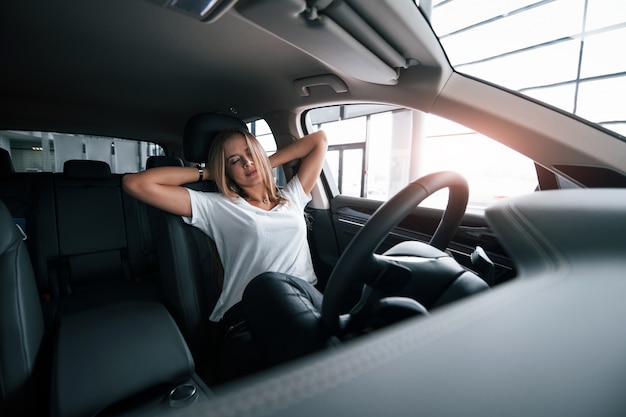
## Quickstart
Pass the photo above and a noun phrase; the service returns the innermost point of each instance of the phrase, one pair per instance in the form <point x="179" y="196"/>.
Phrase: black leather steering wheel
<point x="358" y="263"/>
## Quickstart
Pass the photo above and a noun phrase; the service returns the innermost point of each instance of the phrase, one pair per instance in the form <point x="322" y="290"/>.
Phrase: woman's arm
<point x="311" y="149"/>
<point x="161" y="187"/>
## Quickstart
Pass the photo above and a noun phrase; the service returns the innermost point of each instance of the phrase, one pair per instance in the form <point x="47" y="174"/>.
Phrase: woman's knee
<point x="265" y="285"/>
<point x="283" y="314"/>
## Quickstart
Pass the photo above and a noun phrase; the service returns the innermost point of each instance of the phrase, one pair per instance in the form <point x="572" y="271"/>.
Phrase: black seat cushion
<point x="105" y="355"/>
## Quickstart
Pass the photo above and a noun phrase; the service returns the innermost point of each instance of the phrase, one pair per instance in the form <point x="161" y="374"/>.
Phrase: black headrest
<point x="200" y="131"/>
<point x="6" y="164"/>
<point x="86" y="169"/>
<point x="163" y="161"/>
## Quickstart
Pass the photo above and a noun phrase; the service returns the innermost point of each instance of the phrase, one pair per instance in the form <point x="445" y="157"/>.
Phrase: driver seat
<point x="189" y="266"/>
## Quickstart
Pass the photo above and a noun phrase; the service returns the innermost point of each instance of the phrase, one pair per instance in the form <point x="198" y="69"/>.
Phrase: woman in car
<point x="256" y="227"/>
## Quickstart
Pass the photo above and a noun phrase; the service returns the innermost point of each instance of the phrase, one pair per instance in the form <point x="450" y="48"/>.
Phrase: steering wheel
<point x="359" y="263"/>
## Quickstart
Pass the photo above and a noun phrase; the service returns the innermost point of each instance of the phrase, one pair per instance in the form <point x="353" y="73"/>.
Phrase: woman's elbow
<point x="321" y="138"/>
<point x="130" y="184"/>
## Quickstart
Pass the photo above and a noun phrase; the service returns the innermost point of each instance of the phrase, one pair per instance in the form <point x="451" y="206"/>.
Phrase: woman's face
<point x="239" y="164"/>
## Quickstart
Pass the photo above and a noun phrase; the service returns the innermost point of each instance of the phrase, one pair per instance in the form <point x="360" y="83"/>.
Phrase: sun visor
<point x="332" y="32"/>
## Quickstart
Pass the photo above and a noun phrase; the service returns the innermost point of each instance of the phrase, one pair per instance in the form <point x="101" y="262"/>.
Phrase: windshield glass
<point x="567" y="53"/>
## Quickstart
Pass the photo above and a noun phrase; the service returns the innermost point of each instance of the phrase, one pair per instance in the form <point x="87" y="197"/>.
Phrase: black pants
<point x="283" y="316"/>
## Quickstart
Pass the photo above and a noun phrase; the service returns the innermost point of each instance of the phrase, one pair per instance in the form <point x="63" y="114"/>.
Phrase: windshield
<point x="567" y="53"/>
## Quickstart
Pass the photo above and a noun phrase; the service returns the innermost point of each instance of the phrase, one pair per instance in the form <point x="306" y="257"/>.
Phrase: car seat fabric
<point x="102" y="355"/>
<point x="189" y="267"/>
<point x="122" y="349"/>
<point x="163" y="161"/>
<point x="102" y="254"/>
<point x="6" y="164"/>
<point x="29" y="197"/>
<point x="200" y="131"/>
<point x="21" y="323"/>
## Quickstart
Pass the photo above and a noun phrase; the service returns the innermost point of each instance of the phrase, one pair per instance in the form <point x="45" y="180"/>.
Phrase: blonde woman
<point x="256" y="227"/>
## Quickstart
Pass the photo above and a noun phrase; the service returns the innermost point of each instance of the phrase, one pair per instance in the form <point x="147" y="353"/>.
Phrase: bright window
<point x="375" y="155"/>
<point x="47" y="152"/>
<point x="567" y="53"/>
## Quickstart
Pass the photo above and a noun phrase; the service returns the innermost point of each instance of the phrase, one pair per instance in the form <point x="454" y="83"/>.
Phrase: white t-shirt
<point x="251" y="241"/>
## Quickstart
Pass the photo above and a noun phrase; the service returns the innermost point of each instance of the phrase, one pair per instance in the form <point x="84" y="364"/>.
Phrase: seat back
<point x="103" y="250"/>
<point x="96" y="358"/>
<point x="190" y="269"/>
<point x="21" y="324"/>
<point x="188" y="272"/>
<point x="90" y="218"/>
<point x="29" y="197"/>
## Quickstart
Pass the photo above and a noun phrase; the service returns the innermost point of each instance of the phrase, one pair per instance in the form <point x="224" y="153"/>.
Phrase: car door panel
<point x="347" y="215"/>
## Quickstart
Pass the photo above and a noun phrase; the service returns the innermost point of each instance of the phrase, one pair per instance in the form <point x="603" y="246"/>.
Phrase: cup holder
<point x="183" y="395"/>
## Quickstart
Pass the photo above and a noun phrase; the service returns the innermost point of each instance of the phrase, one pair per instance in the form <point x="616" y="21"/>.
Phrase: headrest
<point x="200" y="131"/>
<point x="6" y="164"/>
<point x="163" y="161"/>
<point x="86" y="169"/>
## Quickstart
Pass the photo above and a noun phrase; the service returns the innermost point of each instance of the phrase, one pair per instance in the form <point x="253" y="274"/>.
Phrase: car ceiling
<point x="138" y="70"/>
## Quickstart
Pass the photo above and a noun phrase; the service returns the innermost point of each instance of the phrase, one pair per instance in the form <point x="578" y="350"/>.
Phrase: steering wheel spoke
<point x="391" y="277"/>
<point x="359" y="263"/>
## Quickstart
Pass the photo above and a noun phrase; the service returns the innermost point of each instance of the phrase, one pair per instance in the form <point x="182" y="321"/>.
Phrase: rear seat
<point x="91" y="246"/>
<point x="103" y="238"/>
<point x="90" y="360"/>
<point x="90" y="243"/>
<point x="103" y="246"/>
<point x="29" y="198"/>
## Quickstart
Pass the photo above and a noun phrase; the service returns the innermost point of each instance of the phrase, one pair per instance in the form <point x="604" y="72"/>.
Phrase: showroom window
<point x="47" y="152"/>
<point x="376" y="150"/>
<point x="261" y="130"/>
<point x="575" y="62"/>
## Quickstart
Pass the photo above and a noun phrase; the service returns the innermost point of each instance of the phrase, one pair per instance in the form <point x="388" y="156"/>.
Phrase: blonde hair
<point x="217" y="165"/>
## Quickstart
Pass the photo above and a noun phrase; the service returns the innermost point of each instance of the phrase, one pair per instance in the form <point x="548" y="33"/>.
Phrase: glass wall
<point x="567" y="53"/>
<point x="47" y="152"/>
<point x="374" y="151"/>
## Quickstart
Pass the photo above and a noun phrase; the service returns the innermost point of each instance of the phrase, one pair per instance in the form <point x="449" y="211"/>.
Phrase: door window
<point x="376" y="150"/>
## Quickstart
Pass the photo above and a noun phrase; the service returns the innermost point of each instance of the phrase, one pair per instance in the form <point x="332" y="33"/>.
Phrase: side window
<point x="47" y="152"/>
<point x="376" y="150"/>
<point x="261" y="130"/>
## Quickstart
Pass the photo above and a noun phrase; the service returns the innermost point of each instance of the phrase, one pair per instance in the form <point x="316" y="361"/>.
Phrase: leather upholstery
<point x="87" y="169"/>
<point x="102" y="355"/>
<point x="21" y="323"/>
<point x="201" y="129"/>
<point x="189" y="267"/>
<point x="109" y="345"/>
<point x="29" y="197"/>
<point x="163" y="161"/>
<point x="6" y="164"/>
<point x="100" y="236"/>
<point x="188" y="270"/>
<point x="105" y="355"/>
